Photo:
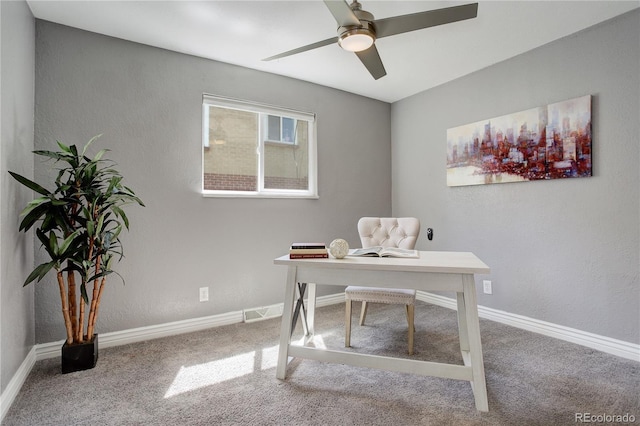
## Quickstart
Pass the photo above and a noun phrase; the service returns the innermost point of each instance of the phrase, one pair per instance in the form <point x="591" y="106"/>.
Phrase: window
<point x="256" y="150"/>
<point x="280" y="129"/>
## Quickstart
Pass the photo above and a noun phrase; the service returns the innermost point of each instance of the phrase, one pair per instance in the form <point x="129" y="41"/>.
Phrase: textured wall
<point x="147" y="103"/>
<point x="564" y="251"/>
<point x="17" y="42"/>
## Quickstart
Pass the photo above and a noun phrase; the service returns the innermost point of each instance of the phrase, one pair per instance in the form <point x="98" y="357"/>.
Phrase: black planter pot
<point x="78" y="357"/>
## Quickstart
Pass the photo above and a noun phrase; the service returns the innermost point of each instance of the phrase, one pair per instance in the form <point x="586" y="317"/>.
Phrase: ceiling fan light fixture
<point x="356" y="40"/>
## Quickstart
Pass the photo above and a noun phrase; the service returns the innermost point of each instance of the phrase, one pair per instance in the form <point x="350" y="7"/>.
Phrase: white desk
<point x="435" y="271"/>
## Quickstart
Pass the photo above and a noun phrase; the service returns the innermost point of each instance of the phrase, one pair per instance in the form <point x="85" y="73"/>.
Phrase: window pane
<point x="288" y="129"/>
<point x="231" y="159"/>
<point x="287" y="166"/>
<point x="273" y="128"/>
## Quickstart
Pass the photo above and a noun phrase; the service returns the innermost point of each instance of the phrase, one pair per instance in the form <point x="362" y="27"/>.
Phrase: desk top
<point x="448" y="262"/>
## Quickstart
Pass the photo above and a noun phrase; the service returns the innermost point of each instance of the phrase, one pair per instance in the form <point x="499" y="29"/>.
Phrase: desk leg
<point x="286" y="326"/>
<point x="472" y="323"/>
<point x="463" y="331"/>
<point x="311" y="309"/>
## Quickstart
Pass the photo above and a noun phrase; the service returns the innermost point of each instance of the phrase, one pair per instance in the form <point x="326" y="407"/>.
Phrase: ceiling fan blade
<point x="417" y="21"/>
<point x="371" y="60"/>
<point x="342" y="12"/>
<point x="322" y="43"/>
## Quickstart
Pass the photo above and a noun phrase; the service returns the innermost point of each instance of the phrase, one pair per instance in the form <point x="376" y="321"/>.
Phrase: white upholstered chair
<point x="387" y="232"/>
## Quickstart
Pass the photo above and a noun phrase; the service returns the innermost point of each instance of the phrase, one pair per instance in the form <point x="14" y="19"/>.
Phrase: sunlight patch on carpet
<point x="202" y="375"/>
<point x="315" y="342"/>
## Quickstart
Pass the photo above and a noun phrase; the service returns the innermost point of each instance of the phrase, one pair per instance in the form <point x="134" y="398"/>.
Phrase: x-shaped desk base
<point x="300" y="309"/>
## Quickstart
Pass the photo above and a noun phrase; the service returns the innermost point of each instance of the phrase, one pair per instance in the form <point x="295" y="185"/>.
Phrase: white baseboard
<point x="274" y="311"/>
<point x="11" y="391"/>
<point x="133" y="335"/>
<point x="331" y="299"/>
<point x="48" y="350"/>
<point x="594" y="341"/>
<point x="117" y="338"/>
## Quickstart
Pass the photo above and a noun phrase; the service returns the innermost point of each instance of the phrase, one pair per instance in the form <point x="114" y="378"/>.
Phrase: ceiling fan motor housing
<point x="366" y="26"/>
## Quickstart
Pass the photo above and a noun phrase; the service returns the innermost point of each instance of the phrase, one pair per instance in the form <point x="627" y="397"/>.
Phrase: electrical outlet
<point x="204" y="294"/>
<point x="486" y="286"/>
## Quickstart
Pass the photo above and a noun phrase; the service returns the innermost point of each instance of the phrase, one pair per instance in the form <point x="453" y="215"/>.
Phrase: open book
<point x="384" y="252"/>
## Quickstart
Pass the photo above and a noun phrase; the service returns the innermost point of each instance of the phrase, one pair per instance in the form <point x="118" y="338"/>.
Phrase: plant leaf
<point x="84" y="150"/>
<point x="39" y="272"/>
<point x="67" y="242"/>
<point x="53" y="244"/>
<point x="100" y="274"/>
<point x="33" y="216"/>
<point x="33" y="204"/>
<point x="58" y="156"/>
<point x="120" y="213"/>
<point x="30" y="184"/>
<point x="100" y="154"/>
<point x="45" y="242"/>
<point x="63" y="147"/>
<point x="83" y="293"/>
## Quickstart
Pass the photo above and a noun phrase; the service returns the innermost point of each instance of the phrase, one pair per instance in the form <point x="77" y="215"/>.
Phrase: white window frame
<point x="265" y="129"/>
<point x="262" y="192"/>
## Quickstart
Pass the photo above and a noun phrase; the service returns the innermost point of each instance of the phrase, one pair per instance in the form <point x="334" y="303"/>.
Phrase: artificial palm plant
<point x="79" y="225"/>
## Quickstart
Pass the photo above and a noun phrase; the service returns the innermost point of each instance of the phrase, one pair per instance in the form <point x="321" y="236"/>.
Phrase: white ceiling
<point x="244" y="32"/>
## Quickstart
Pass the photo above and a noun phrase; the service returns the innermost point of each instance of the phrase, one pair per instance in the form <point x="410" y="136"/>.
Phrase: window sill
<point x="282" y="144"/>
<point x="249" y="194"/>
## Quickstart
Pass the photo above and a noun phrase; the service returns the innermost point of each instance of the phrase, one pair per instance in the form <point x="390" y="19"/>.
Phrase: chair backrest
<point x="401" y="232"/>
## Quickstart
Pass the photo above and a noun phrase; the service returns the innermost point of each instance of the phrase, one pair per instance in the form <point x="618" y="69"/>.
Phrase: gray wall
<point x="564" y="251"/>
<point x="147" y="103"/>
<point x="17" y="41"/>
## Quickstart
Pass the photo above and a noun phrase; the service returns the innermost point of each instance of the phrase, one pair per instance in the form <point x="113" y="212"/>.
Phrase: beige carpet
<point x="226" y="376"/>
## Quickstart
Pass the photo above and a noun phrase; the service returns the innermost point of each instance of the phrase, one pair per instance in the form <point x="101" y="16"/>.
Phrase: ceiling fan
<point x="358" y="30"/>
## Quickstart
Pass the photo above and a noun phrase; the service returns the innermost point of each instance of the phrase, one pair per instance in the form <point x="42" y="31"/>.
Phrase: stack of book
<point x="308" y="251"/>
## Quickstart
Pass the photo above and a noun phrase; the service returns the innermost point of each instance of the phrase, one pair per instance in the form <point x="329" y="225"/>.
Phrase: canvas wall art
<point x="549" y="142"/>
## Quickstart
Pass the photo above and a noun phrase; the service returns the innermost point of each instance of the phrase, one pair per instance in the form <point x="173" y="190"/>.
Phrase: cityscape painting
<point x="549" y="142"/>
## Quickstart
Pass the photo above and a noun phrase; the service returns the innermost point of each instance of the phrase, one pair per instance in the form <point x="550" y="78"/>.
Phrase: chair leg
<point x="363" y="312"/>
<point x="410" y="317"/>
<point x="347" y="324"/>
